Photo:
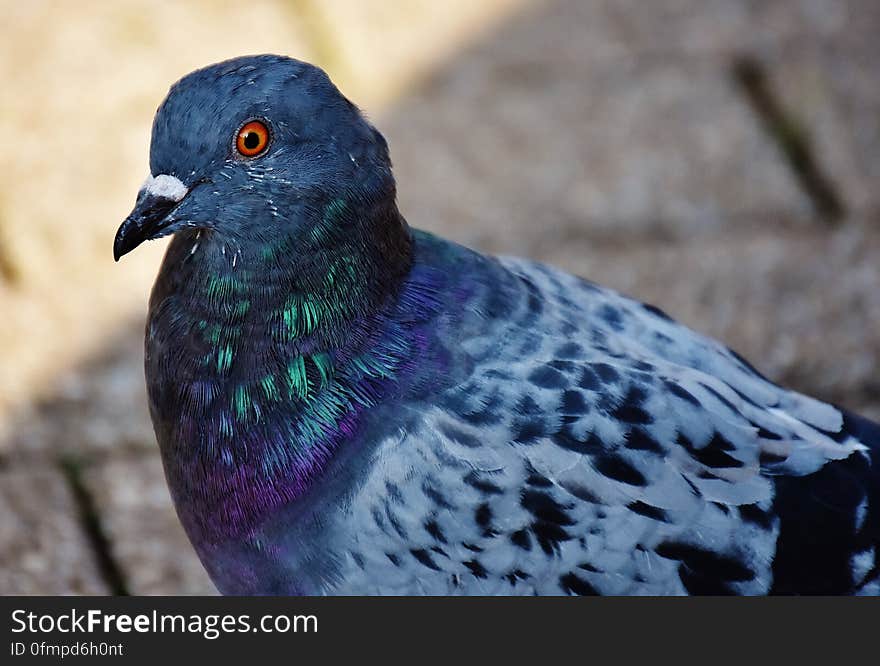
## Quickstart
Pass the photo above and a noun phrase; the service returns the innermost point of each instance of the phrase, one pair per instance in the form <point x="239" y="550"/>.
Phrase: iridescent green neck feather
<point x="263" y="354"/>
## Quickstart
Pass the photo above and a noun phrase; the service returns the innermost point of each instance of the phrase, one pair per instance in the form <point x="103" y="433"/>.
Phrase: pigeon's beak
<point x="151" y="216"/>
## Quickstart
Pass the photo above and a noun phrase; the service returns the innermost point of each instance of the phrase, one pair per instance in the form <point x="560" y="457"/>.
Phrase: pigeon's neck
<point x="263" y="360"/>
<point x="308" y="286"/>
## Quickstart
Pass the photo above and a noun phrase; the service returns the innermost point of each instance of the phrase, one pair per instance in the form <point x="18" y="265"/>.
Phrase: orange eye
<point x="252" y="138"/>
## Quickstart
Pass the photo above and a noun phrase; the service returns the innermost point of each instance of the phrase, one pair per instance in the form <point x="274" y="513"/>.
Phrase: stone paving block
<point x="718" y="27"/>
<point x="575" y="32"/>
<point x="605" y="31"/>
<point x="43" y="549"/>
<point x="373" y="48"/>
<point x="98" y="407"/>
<point x="809" y="23"/>
<point x="139" y="520"/>
<point x="803" y="307"/>
<point x="833" y="92"/>
<point x="501" y="152"/>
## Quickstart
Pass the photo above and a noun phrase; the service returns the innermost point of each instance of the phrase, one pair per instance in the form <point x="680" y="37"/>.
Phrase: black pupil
<point x="251" y="140"/>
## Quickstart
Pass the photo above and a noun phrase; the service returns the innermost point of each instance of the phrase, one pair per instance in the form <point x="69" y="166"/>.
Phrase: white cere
<point x="165" y="187"/>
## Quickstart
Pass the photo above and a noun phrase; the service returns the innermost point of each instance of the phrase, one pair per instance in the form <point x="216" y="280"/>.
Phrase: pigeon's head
<point x="253" y="147"/>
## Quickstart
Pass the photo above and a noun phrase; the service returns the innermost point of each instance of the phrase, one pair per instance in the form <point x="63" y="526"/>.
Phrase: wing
<point x="599" y="447"/>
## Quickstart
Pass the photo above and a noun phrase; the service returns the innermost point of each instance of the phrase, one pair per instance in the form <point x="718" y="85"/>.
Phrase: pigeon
<point x="345" y="404"/>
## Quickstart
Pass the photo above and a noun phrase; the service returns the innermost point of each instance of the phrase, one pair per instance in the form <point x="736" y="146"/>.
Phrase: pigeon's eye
<point x="252" y="138"/>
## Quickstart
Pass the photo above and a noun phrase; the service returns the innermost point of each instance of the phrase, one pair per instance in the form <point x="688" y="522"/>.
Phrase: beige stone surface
<point x="833" y="91"/>
<point x="43" y="549"/>
<point x="610" y="32"/>
<point x="374" y="49"/>
<point x="810" y="23"/>
<point x="137" y="516"/>
<point x="98" y="407"/>
<point x="667" y="149"/>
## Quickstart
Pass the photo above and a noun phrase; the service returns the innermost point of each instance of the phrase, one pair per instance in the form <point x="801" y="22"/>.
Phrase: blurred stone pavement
<point x="718" y="158"/>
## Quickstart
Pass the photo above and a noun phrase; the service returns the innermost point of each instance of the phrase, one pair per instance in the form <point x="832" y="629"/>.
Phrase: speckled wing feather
<point x="599" y="447"/>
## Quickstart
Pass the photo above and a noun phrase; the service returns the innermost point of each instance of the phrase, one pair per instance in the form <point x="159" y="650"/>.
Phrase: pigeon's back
<point x="588" y="445"/>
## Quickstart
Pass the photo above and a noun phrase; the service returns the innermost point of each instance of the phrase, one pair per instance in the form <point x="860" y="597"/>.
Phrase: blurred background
<point x="718" y="158"/>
